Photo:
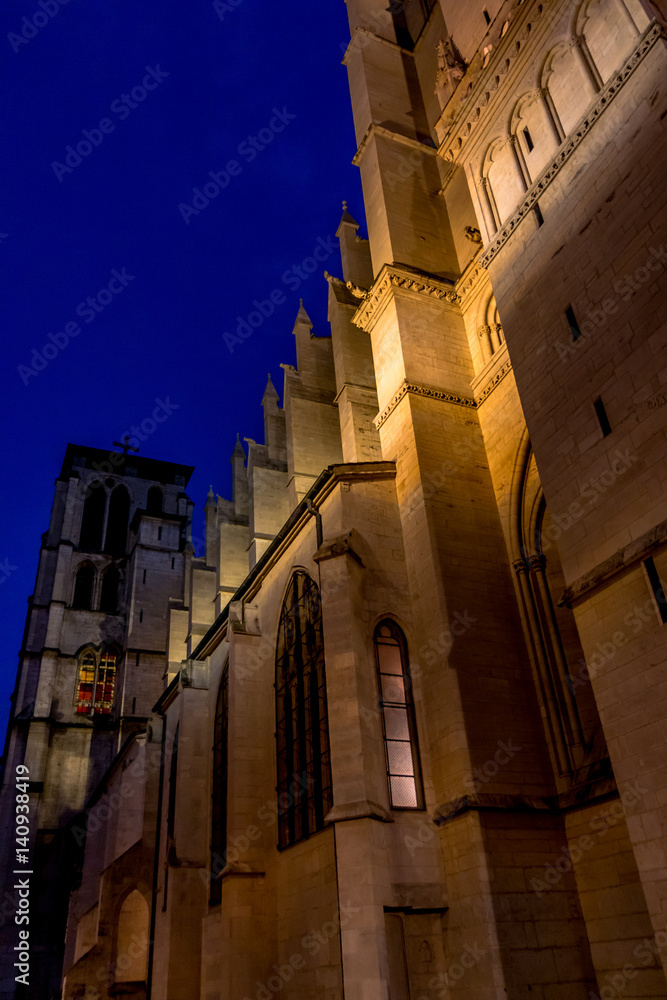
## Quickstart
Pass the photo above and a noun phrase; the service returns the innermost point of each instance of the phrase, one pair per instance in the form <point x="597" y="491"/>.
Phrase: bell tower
<point x="90" y="670"/>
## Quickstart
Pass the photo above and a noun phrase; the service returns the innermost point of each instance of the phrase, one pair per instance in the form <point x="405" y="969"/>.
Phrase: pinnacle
<point x="302" y="316"/>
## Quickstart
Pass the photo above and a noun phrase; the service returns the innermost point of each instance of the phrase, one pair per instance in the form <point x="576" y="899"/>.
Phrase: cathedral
<point x="399" y="732"/>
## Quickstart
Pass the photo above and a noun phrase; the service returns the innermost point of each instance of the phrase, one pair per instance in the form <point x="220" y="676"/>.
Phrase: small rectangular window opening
<point x="657" y="588"/>
<point x="173" y="561"/>
<point x="487" y="16"/>
<point x="136" y="659"/>
<point x="159" y="534"/>
<point x="601" y="413"/>
<point x="134" y="705"/>
<point x="574" y="325"/>
<point x="530" y="145"/>
<point x="539" y="218"/>
<point x="141" y="615"/>
<point x="144" y="580"/>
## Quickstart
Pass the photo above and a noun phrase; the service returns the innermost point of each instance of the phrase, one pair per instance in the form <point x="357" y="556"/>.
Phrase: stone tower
<point x="91" y="667"/>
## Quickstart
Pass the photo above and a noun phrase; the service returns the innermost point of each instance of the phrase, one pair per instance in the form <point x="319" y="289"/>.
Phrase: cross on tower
<point x="126" y="446"/>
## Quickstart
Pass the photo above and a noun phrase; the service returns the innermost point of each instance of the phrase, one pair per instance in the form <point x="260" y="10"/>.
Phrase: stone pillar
<point x="248" y="933"/>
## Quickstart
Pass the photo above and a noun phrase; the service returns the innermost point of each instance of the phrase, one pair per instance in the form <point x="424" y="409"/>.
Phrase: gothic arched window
<point x="131" y="965"/>
<point x="219" y="796"/>
<point x="83" y="587"/>
<point x="154" y="501"/>
<point x="109" y="596"/>
<point x="398" y="717"/>
<point x="119" y="515"/>
<point x="305" y="793"/>
<point x="97" y="672"/>
<point x="92" y="521"/>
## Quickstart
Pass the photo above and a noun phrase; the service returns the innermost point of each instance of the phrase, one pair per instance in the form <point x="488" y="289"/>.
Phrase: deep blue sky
<point x="63" y="233"/>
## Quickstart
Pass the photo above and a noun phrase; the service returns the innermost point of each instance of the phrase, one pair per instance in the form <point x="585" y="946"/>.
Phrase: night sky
<point x="119" y="282"/>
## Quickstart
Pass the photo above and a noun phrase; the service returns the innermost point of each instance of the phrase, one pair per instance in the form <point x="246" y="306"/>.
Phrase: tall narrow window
<point x="572" y="323"/>
<point x="109" y="597"/>
<point x="131" y="965"/>
<point x="305" y="793"/>
<point x="154" y="501"/>
<point x="603" y="419"/>
<point x="656" y="587"/>
<point x="84" y="693"/>
<point x="97" y="673"/>
<point x="119" y="512"/>
<point x="530" y="145"/>
<point x="83" y="587"/>
<point x="92" y="521"/>
<point x="398" y="717"/>
<point x="219" y="796"/>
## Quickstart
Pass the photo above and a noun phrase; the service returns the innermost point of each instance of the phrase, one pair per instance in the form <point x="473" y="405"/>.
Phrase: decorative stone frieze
<point x="393" y="276"/>
<point x="605" y="97"/>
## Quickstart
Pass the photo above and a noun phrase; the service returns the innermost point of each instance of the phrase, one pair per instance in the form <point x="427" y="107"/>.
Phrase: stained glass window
<point x="97" y="671"/>
<point x="305" y="793"/>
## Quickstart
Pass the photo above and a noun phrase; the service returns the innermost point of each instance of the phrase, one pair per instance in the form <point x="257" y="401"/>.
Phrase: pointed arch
<point x="117" y="522"/>
<point x="569" y="712"/>
<point x="96" y="680"/>
<point x="132" y="924"/>
<point x="305" y="793"/>
<point x="84" y="585"/>
<point x="399" y="724"/>
<point x="92" y="519"/>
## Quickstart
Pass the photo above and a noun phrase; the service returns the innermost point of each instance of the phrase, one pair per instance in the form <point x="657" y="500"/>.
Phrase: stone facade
<point x="399" y="732"/>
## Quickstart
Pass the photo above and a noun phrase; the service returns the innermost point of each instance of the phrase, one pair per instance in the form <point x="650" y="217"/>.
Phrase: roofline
<point x="322" y="485"/>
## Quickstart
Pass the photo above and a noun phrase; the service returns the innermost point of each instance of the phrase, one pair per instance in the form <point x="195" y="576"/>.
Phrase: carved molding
<point x="495" y="381"/>
<point x="385" y="133"/>
<point x="604" y="99"/>
<point x="483" y="80"/>
<point x="422" y="390"/>
<point x="391" y="276"/>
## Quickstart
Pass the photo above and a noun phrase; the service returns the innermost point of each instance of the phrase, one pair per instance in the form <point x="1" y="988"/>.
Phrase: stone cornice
<point x="652" y="34"/>
<point x="422" y="390"/>
<point x="494" y="381"/>
<point x="361" y="31"/>
<point x="595" y="790"/>
<point x="623" y="559"/>
<point x="483" y="82"/>
<point x="396" y="276"/>
<point x="385" y="133"/>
